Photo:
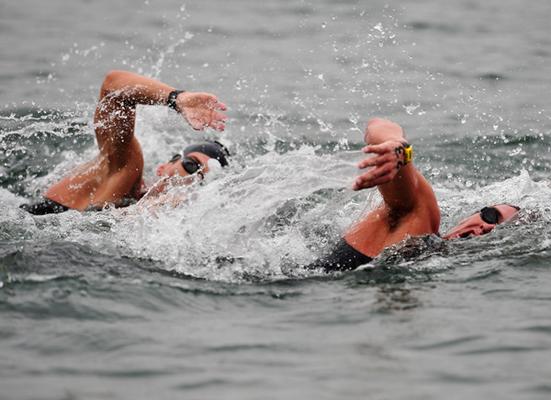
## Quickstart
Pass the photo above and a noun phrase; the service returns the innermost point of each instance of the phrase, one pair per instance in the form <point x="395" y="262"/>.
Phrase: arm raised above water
<point x="116" y="173"/>
<point x="403" y="188"/>
<point x="122" y="91"/>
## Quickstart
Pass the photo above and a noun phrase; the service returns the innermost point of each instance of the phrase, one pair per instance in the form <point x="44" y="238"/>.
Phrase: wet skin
<point x="115" y="174"/>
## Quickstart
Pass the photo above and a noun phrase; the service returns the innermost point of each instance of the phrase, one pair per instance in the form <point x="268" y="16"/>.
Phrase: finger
<point x="368" y="179"/>
<point x="217" y="125"/>
<point x="379" y="172"/>
<point x="357" y="186"/>
<point x="211" y="103"/>
<point x="365" y="181"/>
<point x="381" y="181"/>
<point x="219" y="116"/>
<point x="378" y="148"/>
<point x="375" y="161"/>
<point x="371" y="162"/>
<point x="221" y="106"/>
<point x="360" y="183"/>
<point x="214" y="104"/>
<point x="388" y="169"/>
<point x="217" y="120"/>
<point x="197" y="124"/>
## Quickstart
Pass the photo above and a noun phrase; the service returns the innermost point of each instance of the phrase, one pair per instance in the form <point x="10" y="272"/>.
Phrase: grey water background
<point x="206" y="301"/>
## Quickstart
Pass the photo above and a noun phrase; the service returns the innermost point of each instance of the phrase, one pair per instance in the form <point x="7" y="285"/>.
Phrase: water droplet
<point x="410" y="108"/>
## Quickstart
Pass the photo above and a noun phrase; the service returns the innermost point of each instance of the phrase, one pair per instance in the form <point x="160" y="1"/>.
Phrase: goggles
<point x="490" y="215"/>
<point x="190" y="164"/>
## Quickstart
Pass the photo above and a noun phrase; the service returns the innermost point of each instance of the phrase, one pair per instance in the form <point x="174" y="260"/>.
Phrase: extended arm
<point x="409" y="208"/>
<point x="400" y="185"/>
<point x="116" y="173"/>
<point x="122" y="91"/>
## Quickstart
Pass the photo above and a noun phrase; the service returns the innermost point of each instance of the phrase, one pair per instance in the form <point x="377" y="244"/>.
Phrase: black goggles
<point x="490" y="215"/>
<point x="190" y="164"/>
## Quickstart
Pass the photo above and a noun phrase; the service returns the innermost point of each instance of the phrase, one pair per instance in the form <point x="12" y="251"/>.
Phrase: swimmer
<point x="114" y="176"/>
<point x="409" y="205"/>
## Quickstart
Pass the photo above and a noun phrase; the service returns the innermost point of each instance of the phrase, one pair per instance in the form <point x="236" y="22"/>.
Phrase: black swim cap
<point x="213" y="149"/>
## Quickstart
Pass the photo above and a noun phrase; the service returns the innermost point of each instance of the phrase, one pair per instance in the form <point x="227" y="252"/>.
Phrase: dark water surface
<point x="205" y="301"/>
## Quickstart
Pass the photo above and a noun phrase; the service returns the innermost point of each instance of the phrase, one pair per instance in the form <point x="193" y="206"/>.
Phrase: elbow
<point x="380" y="130"/>
<point x="114" y="80"/>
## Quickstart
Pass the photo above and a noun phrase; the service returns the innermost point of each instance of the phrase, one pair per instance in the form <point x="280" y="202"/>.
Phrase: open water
<point x="205" y="301"/>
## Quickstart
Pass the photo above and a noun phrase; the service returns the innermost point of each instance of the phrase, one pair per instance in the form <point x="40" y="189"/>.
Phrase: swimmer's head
<point x="483" y="221"/>
<point x="195" y="159"/>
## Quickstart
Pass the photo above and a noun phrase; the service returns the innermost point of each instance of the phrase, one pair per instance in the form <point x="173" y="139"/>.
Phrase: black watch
<point x="171" y="99"/>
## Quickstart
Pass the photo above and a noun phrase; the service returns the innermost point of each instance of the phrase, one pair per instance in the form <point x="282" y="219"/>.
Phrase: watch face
<point x="408" y="153"/>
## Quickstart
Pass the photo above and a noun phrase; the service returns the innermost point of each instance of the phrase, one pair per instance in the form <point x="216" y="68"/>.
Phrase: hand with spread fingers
<point x="202" y="110"/>
<point x="389" y="158"/>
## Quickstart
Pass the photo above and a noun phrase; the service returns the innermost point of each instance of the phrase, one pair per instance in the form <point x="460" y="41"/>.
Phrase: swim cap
<point x="214" y="150"/>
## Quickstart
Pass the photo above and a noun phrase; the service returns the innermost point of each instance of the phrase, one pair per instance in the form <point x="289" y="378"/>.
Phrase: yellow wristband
<point x="408" y="153"/>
